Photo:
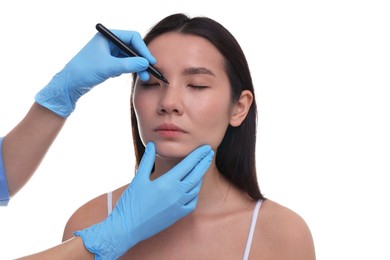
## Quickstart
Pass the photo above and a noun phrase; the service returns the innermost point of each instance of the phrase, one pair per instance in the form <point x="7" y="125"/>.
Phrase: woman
<point x="209" y="100"/>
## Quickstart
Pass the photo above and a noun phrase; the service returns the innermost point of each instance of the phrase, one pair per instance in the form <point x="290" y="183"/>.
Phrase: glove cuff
<point x="102" y="240"/>
<point x="55" y="97"/>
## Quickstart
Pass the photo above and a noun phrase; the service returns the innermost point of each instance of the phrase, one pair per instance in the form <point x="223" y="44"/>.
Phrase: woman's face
<point x="195" y="108"/>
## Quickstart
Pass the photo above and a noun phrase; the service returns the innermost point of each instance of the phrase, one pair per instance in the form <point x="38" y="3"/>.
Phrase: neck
<point x="214" y="191"/>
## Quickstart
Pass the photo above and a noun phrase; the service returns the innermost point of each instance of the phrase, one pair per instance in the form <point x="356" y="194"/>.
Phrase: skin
<point x="198" y="87"/>
<point x="71" y="249"/>
<point x="28" y="142"/>
<point x="202" y="114"/>
<point x="26" y="145"/>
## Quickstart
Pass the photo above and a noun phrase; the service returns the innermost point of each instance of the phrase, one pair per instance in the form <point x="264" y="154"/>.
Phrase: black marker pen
<point x="112" y="37"/>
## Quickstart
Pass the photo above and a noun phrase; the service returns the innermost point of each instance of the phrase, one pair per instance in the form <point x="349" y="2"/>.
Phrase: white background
<point x="322" y="79"/>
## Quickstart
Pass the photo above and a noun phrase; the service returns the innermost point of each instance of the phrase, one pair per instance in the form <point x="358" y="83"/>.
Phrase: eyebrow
<point x="198" y="70"/>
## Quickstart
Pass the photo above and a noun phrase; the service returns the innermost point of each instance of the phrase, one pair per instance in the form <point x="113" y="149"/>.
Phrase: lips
<point x="169" y="130"/>
<point x="169" y="127"/>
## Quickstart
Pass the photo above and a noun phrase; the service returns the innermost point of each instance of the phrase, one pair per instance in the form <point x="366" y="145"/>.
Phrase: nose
<point x="170" y="101"/>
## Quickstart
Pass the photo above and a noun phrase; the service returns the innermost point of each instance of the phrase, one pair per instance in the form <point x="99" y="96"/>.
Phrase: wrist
<point x="78" y="250"/>
<point x="56" y="97"/>
<point x="107" y="240"/>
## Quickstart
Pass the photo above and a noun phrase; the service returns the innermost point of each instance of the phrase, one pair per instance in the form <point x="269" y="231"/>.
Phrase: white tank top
<point x="251" y="230"/>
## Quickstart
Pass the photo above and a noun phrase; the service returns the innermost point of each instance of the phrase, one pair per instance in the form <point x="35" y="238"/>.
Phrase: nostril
<point x="162" y="111"/>
<point x="168" y="109"/>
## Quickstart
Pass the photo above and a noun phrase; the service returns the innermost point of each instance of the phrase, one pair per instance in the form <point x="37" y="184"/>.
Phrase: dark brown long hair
<point x="235" y="157"/>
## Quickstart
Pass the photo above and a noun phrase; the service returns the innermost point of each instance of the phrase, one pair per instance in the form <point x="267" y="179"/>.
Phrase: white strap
<point x="109" y="202"/>
<point x="252" y="229"/>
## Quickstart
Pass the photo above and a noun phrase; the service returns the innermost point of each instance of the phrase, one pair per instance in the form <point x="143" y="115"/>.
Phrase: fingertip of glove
<point x="150" y="146"/>
<point x="211" y="153"/>
<point x="144" y="75"/>
<point x="205" y="148"/>
<point x="143" y="63"/>
<point x="152" y="59"/>
<point x="206" y="151"/>
<point x="133" y="64"/>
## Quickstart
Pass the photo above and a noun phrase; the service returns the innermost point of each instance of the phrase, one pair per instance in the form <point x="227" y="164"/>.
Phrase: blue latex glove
<point x="147" y="207"/>
<point x="97" y="61"/>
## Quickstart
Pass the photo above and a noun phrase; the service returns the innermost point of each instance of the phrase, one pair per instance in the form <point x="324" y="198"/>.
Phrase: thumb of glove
<point x="146" y="165"/>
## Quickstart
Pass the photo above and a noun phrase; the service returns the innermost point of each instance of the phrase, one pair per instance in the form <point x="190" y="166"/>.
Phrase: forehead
<point x="185" y="50"/>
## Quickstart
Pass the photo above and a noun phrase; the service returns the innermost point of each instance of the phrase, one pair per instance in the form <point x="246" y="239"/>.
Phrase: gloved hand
<point x="97" y="61"/>
<point x="147" y="207"/>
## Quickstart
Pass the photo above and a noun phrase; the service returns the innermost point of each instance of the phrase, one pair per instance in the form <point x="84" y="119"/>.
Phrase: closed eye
<point x="197" y="86"/>
<point x="149" y="84"/>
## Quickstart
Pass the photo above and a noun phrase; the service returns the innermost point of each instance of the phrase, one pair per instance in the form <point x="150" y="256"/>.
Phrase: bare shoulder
<point x="282" y="234"/>
<point x="92" y="212"/>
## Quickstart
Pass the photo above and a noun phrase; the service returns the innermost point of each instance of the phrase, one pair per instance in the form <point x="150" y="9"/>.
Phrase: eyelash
<point x="197" y="86"/>
<point x="156" y="84"/>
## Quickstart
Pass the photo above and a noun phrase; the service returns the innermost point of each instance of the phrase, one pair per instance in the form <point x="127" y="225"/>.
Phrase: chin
<point x="173" y="150"/>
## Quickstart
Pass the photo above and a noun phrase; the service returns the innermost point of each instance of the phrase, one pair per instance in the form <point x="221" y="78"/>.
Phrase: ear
<point x="241" y="108"/>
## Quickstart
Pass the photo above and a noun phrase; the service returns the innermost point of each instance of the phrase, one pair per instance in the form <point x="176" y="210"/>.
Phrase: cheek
<point x="144" y="103"/>
<point x="139" y="105"/>
<point x="142" y="109"/>
<point x="211" y="120"/>
<point x="137" y="98"/>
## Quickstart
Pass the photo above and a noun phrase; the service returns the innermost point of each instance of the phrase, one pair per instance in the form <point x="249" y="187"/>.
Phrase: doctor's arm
<point x="71" y="249"/>
<point x="23" y="148"/>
